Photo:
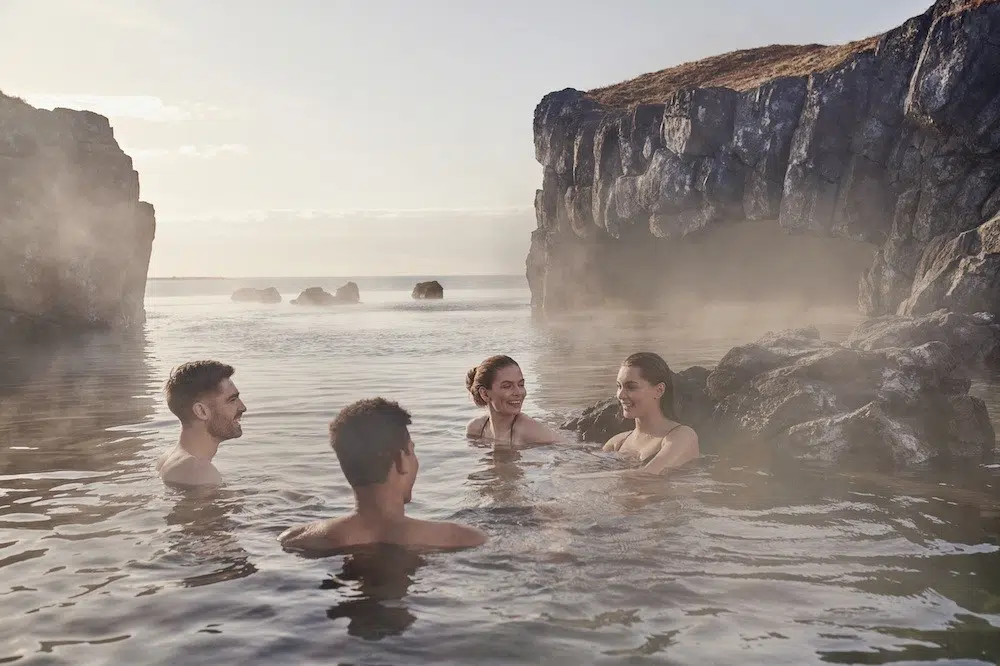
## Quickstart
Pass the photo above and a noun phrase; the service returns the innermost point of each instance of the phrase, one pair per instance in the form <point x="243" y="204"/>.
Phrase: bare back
<point x="353" y="530"/>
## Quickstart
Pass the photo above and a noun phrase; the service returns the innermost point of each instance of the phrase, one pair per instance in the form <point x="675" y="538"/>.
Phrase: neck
<point x="652" y="424"/>
<point x="501" y="422"/>
<point x="378" y="503"/>
<point x="198" y="443"/>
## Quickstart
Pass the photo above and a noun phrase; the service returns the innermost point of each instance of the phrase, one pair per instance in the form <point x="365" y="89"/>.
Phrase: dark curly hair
<point x="368" y="436"/>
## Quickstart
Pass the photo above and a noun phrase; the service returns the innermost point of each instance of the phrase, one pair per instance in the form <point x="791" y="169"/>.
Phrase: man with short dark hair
<point x="201" y="394"/>
<point x="376" y="454"/>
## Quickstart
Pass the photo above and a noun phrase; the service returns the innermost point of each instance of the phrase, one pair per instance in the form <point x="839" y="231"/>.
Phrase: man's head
<point x="373" y="445"/>
<point x="202" y="395"/>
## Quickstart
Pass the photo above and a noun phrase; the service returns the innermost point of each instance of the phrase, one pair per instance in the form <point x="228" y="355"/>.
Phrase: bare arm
<point x="681" y="449"/>
<point x="445" y="535"/>
<point x="530" y="432"/>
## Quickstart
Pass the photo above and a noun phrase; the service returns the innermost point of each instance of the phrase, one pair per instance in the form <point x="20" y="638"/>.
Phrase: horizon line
<point x="326" y="277"/>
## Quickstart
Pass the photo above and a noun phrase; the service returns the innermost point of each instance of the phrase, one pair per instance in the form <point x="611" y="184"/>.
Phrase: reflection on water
<point x="203" y="537"/>
<point x="371" y="584"/>
<point x="742" y="559"/>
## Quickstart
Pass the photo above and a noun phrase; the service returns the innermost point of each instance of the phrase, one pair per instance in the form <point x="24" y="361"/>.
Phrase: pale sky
<point x="294" y="137"/>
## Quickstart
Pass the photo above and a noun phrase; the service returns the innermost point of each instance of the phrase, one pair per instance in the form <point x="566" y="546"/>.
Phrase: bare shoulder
<point x="685" y="437"/>
<point x="433" y="534"/>
<point x="531" y="431"/>
<point x="615" y="442"/>
<point x="186" y="470"/>
<point x="475" y="427"/>
<point x="678" y="449"/>
<point x="318" y="535"/>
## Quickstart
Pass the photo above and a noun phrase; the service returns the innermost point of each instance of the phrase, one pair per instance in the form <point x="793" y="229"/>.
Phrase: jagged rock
<point x="892" y="395"/>
<point x="973" y="338"/>
<point x="319" y="296"/>
<point x="75" y="239"/>
<point x="252" y="295"/>
<point x="431" y="289"/>
<point x="893" y="141"/>
<point x="698" y="121"/>
<point x="961" y="273"/>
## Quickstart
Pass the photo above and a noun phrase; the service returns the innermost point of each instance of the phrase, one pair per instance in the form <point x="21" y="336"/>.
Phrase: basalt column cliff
<point x="75" y="240"/>
<point x="892" y="142"/>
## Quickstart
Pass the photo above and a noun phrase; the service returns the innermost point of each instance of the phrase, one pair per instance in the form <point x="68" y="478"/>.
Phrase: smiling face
<point x="507" y="393"/>
<point x="638" y="398"/>
<point x="221" y="411"/>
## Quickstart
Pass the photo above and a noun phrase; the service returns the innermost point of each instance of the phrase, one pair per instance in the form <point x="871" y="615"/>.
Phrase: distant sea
<point x="733" y="561"/>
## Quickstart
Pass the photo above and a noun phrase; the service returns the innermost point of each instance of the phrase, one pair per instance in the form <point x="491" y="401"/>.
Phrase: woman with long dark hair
<point x="646" y="394"/>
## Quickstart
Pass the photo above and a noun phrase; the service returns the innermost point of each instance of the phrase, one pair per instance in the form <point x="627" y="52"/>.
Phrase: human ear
<point x="200" y="411"/>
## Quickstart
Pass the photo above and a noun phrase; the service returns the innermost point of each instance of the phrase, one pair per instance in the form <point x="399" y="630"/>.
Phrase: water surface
<point x="734" y="561"/>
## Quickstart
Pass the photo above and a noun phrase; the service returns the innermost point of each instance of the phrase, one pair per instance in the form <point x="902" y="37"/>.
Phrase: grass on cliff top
<point x="749" y="68"/>
<point x="739" y="70"/>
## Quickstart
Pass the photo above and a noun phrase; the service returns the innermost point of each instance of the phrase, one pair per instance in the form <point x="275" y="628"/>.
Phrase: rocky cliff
<point x="75" y="240"/>
<point x="892" y="141"/>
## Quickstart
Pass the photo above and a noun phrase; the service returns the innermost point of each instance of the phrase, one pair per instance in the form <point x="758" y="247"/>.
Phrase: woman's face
<point x="638" y="398"/>
<point x="507" y="393"/>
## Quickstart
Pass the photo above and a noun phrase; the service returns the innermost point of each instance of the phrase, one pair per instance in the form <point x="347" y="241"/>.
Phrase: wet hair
<point x="190" y="381"/>
<point x="368" y="436"/>
<point x="482" y="375"/>
<point x="655" y="370"/>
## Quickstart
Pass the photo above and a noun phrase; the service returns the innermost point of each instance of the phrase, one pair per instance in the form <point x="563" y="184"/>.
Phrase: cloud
<point x="188" y="150"/>
<point x="137" y="107"/>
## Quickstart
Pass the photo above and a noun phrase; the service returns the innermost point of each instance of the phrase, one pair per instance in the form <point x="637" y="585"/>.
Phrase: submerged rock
<point x="252" y="295"/>
<point x="431" y="289"/>
<point x="895" y="393"/>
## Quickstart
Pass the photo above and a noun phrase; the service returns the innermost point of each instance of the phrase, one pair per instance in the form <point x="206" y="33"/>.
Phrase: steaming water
<point x="734" y="561"/>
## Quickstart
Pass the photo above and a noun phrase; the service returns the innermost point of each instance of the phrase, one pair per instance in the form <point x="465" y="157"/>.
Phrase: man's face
<point x="221" y="412"/>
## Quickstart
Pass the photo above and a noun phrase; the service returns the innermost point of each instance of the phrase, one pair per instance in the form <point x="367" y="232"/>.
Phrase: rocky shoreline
<point x="895" y="393"/>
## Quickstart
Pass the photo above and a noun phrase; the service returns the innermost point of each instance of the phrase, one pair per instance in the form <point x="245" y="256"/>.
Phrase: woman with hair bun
<point x="498" y="385"/>
<point x="646" y="394"/>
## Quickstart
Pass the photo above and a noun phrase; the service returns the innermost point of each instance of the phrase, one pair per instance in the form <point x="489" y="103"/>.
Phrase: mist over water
<point x="736" y="560"/>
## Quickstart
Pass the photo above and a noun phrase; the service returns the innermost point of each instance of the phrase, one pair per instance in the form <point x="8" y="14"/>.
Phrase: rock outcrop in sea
<point x="892" y="140"/>
<point x="75" y="239"/>
<point x="346" y="294"/>
<point x="894" y="394"/>
<point x="252" y="295"/>
<point x="430" y="289"/>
